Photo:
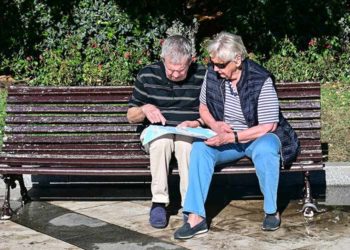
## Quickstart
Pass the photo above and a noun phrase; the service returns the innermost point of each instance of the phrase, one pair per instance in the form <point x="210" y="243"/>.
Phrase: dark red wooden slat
<point x="113" y="98"/>
<point x="76" y="99"/>
<point x="125" y="139"/>
<point x="20" y="138"/>
<point x="111" y="94"/>
<point x="111" y="161"/>
<point x="67" y="109"/>
<point x="310" y="135"/>
<point x="30" y="160"/>
<point x="77" y="171"/>
<point x="72" y="146"/>
<point x="73" y="139"/>
<point x="113" y="129"/>
<point x="134" y="171"/>
<point x="305" y="94"/>
<point x="118" y="89"/>
<point x="121" y="152"/>
<point x="301" y="115"/>
<point x="73" y="119"/>
<point x="297" y="124"/>
<point x="70" y="129"/>
<point x="314" y="104"/>
<point x="13" y="90"/>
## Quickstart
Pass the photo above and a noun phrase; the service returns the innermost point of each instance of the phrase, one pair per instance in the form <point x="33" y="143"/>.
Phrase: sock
<point x="157" y="204"/>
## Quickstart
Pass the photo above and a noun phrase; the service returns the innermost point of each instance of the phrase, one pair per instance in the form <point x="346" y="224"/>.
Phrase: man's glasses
<point x="220" y="65"/>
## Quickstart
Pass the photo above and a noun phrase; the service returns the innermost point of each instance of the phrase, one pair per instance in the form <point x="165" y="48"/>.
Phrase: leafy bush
<point x="323" y="61"/>
<point x="84" y="42"/>
<point x="96" y="42"/>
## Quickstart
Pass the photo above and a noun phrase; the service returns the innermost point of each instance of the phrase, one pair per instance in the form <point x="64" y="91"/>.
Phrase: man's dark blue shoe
<point x="186" y="232"/>
<point x="158" y="218"/>
<point x="271" y="222"/>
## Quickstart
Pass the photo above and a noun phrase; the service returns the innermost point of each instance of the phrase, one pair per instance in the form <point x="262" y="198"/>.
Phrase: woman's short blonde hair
<point x="227" y="47"/>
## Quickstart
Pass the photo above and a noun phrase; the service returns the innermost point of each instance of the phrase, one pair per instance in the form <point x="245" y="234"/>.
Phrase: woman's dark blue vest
<point x="249" y="87"/>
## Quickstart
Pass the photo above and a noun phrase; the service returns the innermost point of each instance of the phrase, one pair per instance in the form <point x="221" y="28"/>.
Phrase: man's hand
<point x="153" y="114"/>
<point x="189" y="124"/>
<point x="221" y="127"/>
<point x="220" y="139"/>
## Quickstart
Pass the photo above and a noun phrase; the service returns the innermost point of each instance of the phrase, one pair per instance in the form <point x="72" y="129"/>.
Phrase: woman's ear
<point x="238" y="61"/>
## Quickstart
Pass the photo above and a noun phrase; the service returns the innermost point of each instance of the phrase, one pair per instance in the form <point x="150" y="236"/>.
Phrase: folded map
<point x="154" y="131"/>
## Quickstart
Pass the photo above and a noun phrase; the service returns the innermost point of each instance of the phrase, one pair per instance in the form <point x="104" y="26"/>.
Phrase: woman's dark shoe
<point x="186" y="232"/>
<point x="185" y="217"/>
<point x="158" y="218"/>
<point x="271" y="222"/>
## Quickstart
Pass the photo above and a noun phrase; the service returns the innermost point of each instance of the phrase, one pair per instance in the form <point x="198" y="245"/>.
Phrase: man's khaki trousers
<point x="160" y="151"/>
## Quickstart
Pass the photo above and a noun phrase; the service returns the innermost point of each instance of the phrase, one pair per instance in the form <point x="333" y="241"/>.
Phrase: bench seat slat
<point x="134" y="171"/>
<point x="76" y="171"/>
<point x="73" y="146"/>
<point x="125" y="141"/>
<point x="73" y="139"/>
<point x="103" y="160"/>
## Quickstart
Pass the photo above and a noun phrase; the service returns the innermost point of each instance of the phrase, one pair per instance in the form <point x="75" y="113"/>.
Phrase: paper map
<point x="154" y="131"/>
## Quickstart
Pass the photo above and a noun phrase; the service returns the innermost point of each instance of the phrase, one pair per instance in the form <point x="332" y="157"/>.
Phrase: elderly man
<point x="239" y="102"/>
<point x="167" y="93"/>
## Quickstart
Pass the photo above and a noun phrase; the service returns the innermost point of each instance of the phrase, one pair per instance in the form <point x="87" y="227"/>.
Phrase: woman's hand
<point x="221" y="127"/>
<point x="220" y="139"/>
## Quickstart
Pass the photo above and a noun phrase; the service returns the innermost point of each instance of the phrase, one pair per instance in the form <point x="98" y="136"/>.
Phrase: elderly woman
<point x="239" y="102"/>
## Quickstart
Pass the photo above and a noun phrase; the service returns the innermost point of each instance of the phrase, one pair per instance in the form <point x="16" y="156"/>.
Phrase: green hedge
<point x="96" y="42"/>
<point x="86" y="42"/>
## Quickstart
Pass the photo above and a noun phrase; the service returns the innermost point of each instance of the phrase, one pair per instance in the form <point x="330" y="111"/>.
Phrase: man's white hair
<point x="176" y="48"/>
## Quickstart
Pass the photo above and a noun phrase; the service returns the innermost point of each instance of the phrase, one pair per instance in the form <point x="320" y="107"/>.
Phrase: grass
<point x="335" y="132"/>
<point x="335" y="103"/>
<point x="2" y="112"/>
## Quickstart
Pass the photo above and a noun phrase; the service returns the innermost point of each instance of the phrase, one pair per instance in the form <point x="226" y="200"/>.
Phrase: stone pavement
<point x="235" y="222"/>
<point x="124" y="225"/>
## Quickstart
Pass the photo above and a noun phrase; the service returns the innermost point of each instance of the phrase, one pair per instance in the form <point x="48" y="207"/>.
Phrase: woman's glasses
<point x="220" y="65"/>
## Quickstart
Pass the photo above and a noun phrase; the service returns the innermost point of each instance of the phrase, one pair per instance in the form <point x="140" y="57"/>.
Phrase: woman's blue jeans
<point x="265" y="154"/>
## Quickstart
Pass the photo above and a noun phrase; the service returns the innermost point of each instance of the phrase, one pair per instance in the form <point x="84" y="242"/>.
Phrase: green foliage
<point x="324" y="61"/>
<point x="84" y="42"/>
<point x="96" y="42"/>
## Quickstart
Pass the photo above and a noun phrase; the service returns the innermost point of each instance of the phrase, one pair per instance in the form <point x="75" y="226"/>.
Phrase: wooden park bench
<point x="84" y="131"/>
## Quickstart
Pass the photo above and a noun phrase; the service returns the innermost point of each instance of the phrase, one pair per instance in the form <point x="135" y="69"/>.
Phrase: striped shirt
<point x="177" y="101"/>
<point x="268" y="105"/>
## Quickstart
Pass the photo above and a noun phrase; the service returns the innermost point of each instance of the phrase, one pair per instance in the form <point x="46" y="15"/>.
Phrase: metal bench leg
<point x="309" y="203"/>
<point x="24" y="192"/>
<point x="6" y="212"/>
